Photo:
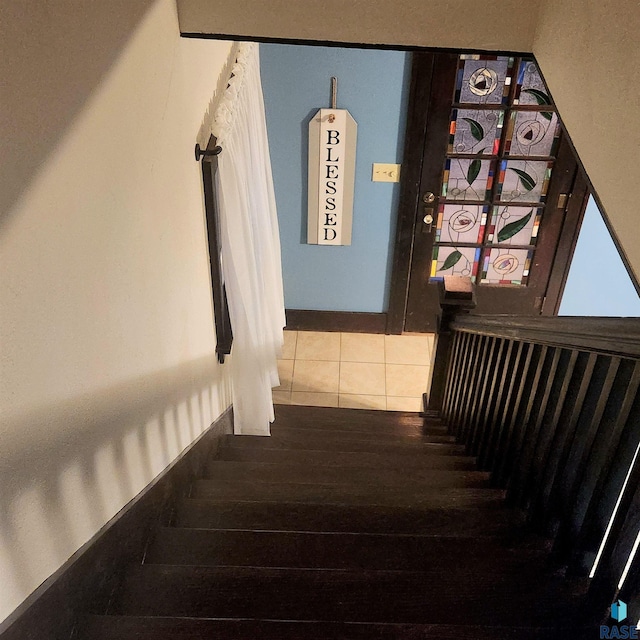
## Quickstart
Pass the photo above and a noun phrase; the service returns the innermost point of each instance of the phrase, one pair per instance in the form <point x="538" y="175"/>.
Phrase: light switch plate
<point x="385" y="172"/>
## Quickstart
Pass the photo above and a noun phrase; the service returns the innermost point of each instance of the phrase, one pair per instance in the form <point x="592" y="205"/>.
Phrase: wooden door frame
<point x="414" y="142"/>
<point x="410" y="176"/>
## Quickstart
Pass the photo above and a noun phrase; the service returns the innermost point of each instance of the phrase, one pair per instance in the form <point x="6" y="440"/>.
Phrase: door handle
<point x="428" y="198"/>
<point x="428" y="220"/>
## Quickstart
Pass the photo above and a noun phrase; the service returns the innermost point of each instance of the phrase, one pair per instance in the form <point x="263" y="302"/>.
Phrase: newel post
<point x="457" y="295"/>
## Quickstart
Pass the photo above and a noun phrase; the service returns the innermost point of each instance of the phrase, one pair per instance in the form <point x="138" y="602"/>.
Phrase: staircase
<point x="344" y="524"/>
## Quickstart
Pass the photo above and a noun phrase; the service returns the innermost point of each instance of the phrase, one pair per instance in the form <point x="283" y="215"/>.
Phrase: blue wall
<point x="373" y="86"/>
<point x="598" y="283"/>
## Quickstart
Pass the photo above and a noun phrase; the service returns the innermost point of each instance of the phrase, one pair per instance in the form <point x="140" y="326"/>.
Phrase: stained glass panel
<point x="483" y="79"/>
<point x="475" y="131"/>
<point x="514" y="225"/>
<point x="467" y="179"/>
<point x="532" y="133"/>
<point x="454" y="261"/>
<point x="530" y="88"/>
<point x="506" y="266"/>
<point x="461" y="223"/>
<point x="523" y="180"/>
<point x="484" y="232"/>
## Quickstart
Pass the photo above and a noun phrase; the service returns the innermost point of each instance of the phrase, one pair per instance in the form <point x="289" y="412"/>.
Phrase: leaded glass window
<point x="503" y="136"/>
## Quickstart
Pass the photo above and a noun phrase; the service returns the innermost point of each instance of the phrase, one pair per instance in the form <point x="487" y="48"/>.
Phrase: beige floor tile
<point x="318" y="345"/>
<point x="281" y="397"/>
<point x="407" y="349"/>
<point x="354" y="370"/>
<point x="314" y="399"/>
<point x="316" y="376"/>
<point x="361" y="347"/>
<point x="362" y="378"/>
<point x="355" y="401"/>
<point x="406" y="380"/>
<point x="289" y="346"/>
<point x="285" y="373"/>
<point x="404" y="404"/>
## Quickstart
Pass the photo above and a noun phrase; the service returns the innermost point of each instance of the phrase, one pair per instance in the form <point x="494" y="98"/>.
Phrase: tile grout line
<point x="384" y="396"/>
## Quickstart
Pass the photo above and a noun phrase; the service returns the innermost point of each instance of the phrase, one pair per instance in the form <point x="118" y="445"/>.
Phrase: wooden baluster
<point x="496" y="397"/>
<point x="454" y="401"/>
<point x="611" y="455"/>
<point x="514" y="432"/>
<point x="481" y="397"/>
<point x="466" y="368"/>
<point x="452" y="374"/>
<point x="630" y="590"/>
<point x="551" y="487"/>
<point x="498" y="394"/>
<point x="480" y="363"/>
<point x="548" y="429"/>
<point x="559" y="401"/>
<point x="523" y="486"/>
<point x="514" y="375"/>
<point x="534" y="396"/>
<point x="616" y="554"/>
<point x="457" y="296"/>
<point x="601" y="383"/>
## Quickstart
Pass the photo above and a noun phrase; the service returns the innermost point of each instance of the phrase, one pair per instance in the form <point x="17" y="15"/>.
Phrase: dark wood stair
<point x="344" y="524"/>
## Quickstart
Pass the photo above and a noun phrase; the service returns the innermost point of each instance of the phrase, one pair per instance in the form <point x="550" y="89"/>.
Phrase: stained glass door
<point x="495" y="179"/>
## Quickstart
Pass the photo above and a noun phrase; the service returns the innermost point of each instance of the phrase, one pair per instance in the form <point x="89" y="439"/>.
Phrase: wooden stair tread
<point x="345" y="595"/>
<point x="306" y="416"/>
<point x="347" y="493"/>
<point x="185" y="546"/>
<point x="347" y="433"/>
<point x="182" y="628"/>
<point x="228" y="471"/>
<point x="378" y="460"/>
<point x="298" y="440"/>
<point x="450" y="521"/>
<point x="343" y="524"/>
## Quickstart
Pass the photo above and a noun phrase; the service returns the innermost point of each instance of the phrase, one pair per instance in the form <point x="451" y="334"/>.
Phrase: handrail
<point x="615" y="336"/>
<point x="208" y="160"/>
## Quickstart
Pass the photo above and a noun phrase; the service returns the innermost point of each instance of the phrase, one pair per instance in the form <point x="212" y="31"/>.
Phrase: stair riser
<point x="334" y="551"/>
<point x="352" y="459"/>
<point x="134" y="628"/>
<point x="330" y="596"/>
<point x="385" y="421"/>
<point x="348" y="435"/>
<point x="298" y="441"/>
<point x="466" y="523"/>
<point x="369" y="427"/>
<point x="346" y="524"/>
<point x="256" y="472"/>
<point x="347" y="494"/>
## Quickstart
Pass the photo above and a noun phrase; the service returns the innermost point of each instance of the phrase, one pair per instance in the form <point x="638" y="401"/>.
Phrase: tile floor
<point x="354" y="370"/>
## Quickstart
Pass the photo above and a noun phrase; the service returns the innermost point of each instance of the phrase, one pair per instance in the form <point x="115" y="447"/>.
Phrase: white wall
<point x="588" y="51"/>
<point x="492" y="24"/>
<point x="107" y="364"/>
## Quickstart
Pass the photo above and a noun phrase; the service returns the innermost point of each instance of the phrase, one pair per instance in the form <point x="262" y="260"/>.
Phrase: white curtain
<point x="250" y="243"/>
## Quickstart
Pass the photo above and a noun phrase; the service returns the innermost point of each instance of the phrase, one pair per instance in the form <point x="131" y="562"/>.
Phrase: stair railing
<point x="551" y="407"/>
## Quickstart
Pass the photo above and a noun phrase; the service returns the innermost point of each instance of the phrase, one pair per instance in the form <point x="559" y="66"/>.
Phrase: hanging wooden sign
<point x="332" y="163"/>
